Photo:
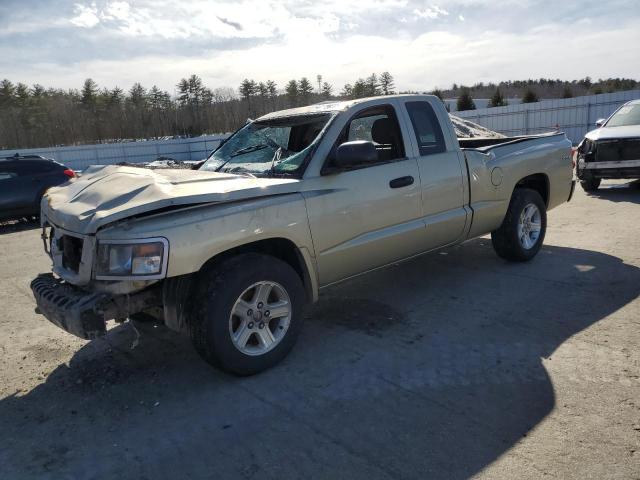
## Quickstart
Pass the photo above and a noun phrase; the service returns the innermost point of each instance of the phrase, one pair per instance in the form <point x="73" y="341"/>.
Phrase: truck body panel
<point x="424" y="194"/>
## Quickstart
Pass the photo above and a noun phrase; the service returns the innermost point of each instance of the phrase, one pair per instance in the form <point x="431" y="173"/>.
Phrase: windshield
<point x="627" y="115"/>
<point x="277" y="146"/>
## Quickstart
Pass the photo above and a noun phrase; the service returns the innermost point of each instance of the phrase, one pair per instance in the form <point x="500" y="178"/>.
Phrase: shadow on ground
<point x="621" y="192"/>
<point x="430" y="369"/>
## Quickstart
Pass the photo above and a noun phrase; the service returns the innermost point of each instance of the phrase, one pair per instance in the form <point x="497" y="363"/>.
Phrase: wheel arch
<point x="538" y="182"/>
<point x="283" y="249"/>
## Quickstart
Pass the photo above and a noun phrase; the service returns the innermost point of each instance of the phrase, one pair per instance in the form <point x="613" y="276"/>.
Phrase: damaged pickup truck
<point x="292" y="202"/>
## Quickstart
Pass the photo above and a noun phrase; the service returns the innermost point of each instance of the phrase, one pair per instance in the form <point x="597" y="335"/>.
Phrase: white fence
<point x="574" y="116"/>
<point x="82" y="156"/>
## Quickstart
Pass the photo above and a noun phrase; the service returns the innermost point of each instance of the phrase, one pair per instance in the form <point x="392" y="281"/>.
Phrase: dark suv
<point x="23" y="181"/>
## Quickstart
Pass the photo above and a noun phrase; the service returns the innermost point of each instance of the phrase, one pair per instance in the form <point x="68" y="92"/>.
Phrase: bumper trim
<point x="614" y="164"/>
<point x="84" y="314"/>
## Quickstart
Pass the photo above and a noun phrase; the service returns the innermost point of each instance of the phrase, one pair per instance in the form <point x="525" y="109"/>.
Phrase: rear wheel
<point x="248" y="313"/>
<point x="590" y="184"/>
<point x="521" y="234"/>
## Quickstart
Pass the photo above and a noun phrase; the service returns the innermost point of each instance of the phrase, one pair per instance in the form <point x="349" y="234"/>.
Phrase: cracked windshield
<point x="272" y="147"/>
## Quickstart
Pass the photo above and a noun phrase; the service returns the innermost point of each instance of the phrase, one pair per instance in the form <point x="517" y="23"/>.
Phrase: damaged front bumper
<point x="84" y="314"/>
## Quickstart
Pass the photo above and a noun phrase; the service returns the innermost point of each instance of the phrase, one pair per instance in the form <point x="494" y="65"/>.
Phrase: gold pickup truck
<point x="290" y="203"/>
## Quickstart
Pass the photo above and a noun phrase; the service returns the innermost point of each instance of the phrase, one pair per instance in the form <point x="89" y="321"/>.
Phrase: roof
<point x="326" y="107"/>
<point x="24" y="157"/>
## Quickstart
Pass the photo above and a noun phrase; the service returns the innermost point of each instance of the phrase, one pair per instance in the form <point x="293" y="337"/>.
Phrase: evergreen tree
<point x="137" y="95"/>
<point x="305" y="89"/>
<point x="272" y="88"/>
<point x="115" y="97"/>
<point x="347" y="91"/>
<point x="183" y="91"/>
<point x="359" y="88"/>
<point x="530" y="96"/>
<point x="89" y="92"/>
<point x="326" y="90"/>
<point x="372" y="86"/>
<point x="155" y="98"/>
<point x="7" y="92"/>
<point x="195" y="89"/>
<point x="247" y="89"/>
<point x="262" y="89"/>
<point x="497" y="100"/>
<point x="292" y="92"/>
<point x="386" y="83"/>
<point x="465" y="102"/>
<point x="567" y="93"/>
<point x="37" y="91"/>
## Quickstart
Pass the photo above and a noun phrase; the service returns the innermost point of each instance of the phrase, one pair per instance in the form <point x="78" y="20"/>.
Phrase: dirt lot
<point x="451" y="366"/>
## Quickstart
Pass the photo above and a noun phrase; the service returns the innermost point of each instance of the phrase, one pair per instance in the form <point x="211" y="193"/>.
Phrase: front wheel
<point x="590" y="184"/>
<point x="248" y="313"/>
<point x="521" y="234"/>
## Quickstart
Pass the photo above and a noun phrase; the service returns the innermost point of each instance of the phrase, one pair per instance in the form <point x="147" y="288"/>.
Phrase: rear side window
<point x="426" y="128"/>
<point x="33" y="167"/>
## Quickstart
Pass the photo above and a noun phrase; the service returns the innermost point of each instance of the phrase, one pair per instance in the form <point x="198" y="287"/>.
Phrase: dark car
<point x="23" y="181"/>
<point x="613" y="149"/>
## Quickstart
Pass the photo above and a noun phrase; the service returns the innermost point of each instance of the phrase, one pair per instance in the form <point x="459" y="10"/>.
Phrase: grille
<point x="616" y="150"/>
<point x="71" y="248"/>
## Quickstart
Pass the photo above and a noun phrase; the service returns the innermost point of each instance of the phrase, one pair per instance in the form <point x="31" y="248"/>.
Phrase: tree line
<point x="35" y="116"/>
<point x="529" y="91"/>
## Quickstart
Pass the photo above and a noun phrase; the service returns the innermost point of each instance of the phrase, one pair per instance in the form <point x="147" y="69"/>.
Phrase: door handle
<point x="401" y="182"/>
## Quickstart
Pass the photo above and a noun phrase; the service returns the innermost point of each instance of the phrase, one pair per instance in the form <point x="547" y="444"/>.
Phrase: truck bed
<point x="486" y="143"/>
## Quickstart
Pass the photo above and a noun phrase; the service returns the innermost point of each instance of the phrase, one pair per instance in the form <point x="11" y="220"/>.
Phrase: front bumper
<point x="614" y="169"/>
<point x="85" y="314"/>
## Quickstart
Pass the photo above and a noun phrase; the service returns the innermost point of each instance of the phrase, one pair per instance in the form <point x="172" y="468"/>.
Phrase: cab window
<point x="378" y="125"/>
<point x="426" y="128"/>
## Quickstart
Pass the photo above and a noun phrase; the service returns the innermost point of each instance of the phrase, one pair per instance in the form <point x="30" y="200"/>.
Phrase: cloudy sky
<point x="423" y="44"/>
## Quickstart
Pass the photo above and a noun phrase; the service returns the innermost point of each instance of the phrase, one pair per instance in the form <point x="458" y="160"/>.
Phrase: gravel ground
<point x="454" y="365"/>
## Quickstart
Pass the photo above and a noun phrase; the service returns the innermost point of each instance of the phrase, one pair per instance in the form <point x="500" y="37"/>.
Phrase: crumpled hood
<point x="104" y="194"/>
<point x="610" y="133"/>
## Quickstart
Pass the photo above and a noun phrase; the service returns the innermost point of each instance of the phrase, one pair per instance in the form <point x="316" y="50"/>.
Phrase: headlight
<point x="146" y="259"/>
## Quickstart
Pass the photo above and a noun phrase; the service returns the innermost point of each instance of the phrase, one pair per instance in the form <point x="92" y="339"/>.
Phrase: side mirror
<point x="353" y="154"/>
<point x="600" y="122"/>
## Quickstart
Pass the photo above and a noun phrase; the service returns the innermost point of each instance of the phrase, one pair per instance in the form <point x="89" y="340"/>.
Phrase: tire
<point x="507" y="240"/>
<point x="233" y="285"/>
<point x="590" y="184"/>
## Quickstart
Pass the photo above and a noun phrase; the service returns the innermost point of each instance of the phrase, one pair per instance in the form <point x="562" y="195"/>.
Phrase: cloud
<point x="423" y="44"/>
<point x="430" y="12"/>
<point x="85" y="16"/>
<point x="235" y="25"/>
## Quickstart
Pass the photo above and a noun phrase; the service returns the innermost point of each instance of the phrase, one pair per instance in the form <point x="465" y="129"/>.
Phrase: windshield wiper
<point x="250" y="148"/>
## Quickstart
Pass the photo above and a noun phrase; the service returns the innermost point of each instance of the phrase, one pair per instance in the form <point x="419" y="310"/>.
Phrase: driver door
<point x="371" y="216"/>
